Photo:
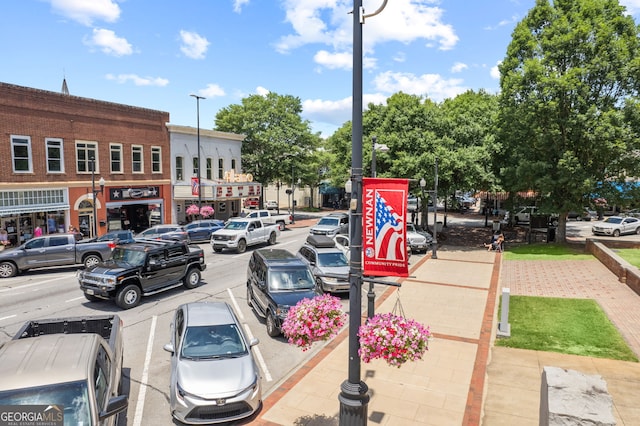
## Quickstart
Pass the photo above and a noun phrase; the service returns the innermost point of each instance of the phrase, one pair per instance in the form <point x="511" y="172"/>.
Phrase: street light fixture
<point x="424" y="221"/>
<point x="95" y="192"/>
<point x="199" y="162"/>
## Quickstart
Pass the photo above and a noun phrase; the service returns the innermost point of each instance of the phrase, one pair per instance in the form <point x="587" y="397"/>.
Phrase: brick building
<point x="49" y="142"/>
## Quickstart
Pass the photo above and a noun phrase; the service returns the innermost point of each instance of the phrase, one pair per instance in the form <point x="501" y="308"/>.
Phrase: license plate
<point x="89" y="291"/>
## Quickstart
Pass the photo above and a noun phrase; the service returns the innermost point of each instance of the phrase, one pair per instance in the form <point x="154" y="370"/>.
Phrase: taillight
<point x="111" y="245"/>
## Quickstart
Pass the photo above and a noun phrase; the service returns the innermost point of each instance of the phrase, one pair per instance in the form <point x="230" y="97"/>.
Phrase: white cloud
<point x="330" y="22"/>
<point x="633" y="6"/>
<point x="237" y="5"/>
<point x="262" y="91"/>
<point x="343" y="60"/>
<point x="459" y="67"/>
<point x="212" y="91"/>
<point x="109" y="43"/>
<point x="495" y="72"/>
<point x="431" y="85"/>
<point x="137" y="80"/>
<point x="85" y="12"/>
<point x="194" y="46"/>
<point x="400" y="57"/>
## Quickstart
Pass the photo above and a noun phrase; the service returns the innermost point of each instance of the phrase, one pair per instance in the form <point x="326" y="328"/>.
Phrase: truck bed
<point x="102" y="325"/>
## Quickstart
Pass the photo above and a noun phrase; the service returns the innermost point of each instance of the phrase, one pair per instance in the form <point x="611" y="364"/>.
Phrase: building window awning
<point x="13" y="211"/>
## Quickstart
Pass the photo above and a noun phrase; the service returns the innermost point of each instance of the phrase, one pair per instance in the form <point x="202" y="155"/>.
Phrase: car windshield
<point x="72" y="397"/>
<point x="328" y="221"/>
<point x="132" y="257"/>
<point x="613" y="220"/>
<point x="234" y="225"/>
<point x="288" y="280"/>
<point x="410" y="227"/>
<point x="213" y="341"/>
<point x="332" y="259"/>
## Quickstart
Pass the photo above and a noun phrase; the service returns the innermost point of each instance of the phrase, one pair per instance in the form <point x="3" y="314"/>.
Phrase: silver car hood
<point x="216" y="378"/>
<point x="334" y="270"/>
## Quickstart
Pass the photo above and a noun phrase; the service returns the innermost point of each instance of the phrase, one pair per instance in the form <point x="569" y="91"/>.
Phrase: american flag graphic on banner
<point x="195" y="186"/>
<point x="384" y="229"/>
<point x="390" y="243"/>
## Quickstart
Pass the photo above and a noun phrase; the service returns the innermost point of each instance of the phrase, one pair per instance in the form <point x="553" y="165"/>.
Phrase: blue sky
<point x="155" y="53"/>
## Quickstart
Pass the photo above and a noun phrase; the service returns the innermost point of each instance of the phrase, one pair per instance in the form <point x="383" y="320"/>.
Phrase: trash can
<point x="496" y="225"/>
<point x="551" y="235"/>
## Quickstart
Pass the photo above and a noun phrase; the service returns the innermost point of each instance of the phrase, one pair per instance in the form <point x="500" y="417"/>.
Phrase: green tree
<point x="278" y="141"/>
<point x="570" y="69"/>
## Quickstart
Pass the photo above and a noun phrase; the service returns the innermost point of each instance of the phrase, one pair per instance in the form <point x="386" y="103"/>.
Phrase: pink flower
<point x="312" y="320"/>
<point x="193" y="209"/>
<point x="393" y="338"/>
<point x="206" y="211"/>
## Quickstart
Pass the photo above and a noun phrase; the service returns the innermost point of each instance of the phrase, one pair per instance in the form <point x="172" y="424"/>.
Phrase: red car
<point x="251" y="203"/>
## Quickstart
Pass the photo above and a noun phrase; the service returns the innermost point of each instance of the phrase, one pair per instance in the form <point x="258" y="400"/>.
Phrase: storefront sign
<point x="134" y="193"/>
<point x="232" y="176"/>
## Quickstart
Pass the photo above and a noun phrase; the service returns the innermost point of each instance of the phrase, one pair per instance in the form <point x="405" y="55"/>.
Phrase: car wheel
<point x="272" y="238"/>
<point x="616" y="233"/>
<point x="579" y="218"/>
<point x="192" y="279"/>
<point x="7" y="270"/>
<point x="272" y="330"/>
<point x="91" y="298"/>
<point x="281" y="226"/>
<point x="217" y="250"/>
<point x="242" y="246"/>
<point x="91" y="261"/>
<point x="637" y="231"/>
<point x="128" y="297"/>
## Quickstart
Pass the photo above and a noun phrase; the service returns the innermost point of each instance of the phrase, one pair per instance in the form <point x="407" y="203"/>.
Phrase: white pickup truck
<point x="238" y="234"/>
<point x="270" y="218"/>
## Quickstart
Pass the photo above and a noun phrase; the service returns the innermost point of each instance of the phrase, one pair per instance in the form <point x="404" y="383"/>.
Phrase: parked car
<point x="332" y="224"/>
<point x="585" y="214"/>
<point x="251" y="203"/>
<point x="238" y="234"/>
<point x="201" y="230"/>
<point x="165" y="232"/>
<point x="328" y="263"/>
<point x="118" y="237"/>
<point x="417" y="239"/>
<point x="413" y="203"/>
<point x="276" y="281"/>
<point x="342" y="244"/>
<point x="271" y="205"/>
<point x="633" y="213"/>
<point x="616" y="226"/>
<point x="213" y="369"/>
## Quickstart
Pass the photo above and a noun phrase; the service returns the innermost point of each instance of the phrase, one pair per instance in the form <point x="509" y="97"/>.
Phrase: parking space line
<point x="7" y="317"/>
<point x="255" y="349"/>
<point x="137" y="421"/>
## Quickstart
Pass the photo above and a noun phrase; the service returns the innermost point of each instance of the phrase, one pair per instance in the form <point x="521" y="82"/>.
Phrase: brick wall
<point x="626" y="273"/>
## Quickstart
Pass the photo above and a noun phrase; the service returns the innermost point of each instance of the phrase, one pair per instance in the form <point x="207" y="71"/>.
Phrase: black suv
<point x="142" y="268"/>
<point x="276" y="281"/>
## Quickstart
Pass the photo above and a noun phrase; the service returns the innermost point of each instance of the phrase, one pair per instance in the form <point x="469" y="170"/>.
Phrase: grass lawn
<point x="630" y="255"/>
<point x="569" y="326"/>
<point x="546" y="252"/>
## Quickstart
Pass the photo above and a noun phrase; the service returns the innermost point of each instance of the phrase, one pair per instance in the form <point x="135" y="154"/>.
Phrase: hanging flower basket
<point x="206" y="211"/>
<point x="393" y="338"/>
<point x="193" y="209"/>
<point x="312" y="320"/>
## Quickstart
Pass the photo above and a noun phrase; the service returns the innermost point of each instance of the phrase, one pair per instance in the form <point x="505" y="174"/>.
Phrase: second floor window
<point x="179" y="168"/>
<point x="156" y="159"/>
<point x="85" y="152"/>
<point x="116" y="158"/>
<point x="55" y="160"/>
<point x="220" y="168"/>
<point x="209" y="168"/>
<point x="233" y="165"/>
<point x="196" y="166"/>
<point x="137" y="164"/>
<point x="21" y="154"/>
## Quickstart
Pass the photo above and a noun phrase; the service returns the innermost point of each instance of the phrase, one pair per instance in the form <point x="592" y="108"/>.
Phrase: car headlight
<point x="282" y="311"/>
<point x="330" y="280"/>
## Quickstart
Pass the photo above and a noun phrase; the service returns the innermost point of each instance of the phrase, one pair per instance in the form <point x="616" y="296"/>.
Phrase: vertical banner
<point x="384" y="227"/>
<point x="195" y="186"/>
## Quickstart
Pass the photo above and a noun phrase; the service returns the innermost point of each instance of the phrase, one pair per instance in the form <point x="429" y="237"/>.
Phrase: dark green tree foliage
<point x="568" y="83"/>
<point x="278" y="142"/>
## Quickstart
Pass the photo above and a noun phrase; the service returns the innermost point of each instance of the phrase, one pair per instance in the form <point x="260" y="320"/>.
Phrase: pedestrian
<point x="51" y="225"/>
<point x="37" y="232"/>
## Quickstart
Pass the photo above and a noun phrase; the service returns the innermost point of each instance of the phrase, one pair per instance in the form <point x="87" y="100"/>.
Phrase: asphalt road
<point x="55" y="293"/>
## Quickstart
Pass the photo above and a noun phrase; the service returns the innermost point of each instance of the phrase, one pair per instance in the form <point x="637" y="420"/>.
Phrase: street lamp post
<point x="199" y="162"/>
<point x="424" y="221"/>
<point x="434" y="253"/>
<point x="95" y="192"/>
<point x="293" y="200"/>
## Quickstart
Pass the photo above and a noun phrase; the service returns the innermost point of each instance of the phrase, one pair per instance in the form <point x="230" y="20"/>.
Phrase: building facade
<point x="58" y="148"/>
<point x="222" y="184"/>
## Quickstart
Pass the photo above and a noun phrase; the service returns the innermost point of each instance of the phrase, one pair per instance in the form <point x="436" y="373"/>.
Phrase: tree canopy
<point x="567" y="104"/>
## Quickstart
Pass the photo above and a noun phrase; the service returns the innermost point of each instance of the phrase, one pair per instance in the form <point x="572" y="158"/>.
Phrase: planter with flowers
<point x="206" y="211"/>
<point x="192" y="209"/>
<point x="393" y="338"/>
<point x="313" y="320"/>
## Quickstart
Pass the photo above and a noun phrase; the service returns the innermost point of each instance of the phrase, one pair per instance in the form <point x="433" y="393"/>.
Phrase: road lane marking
<point x="74" y="299"/>
<point x="10" y="316"/>
<point x="256" y="350"/>
<point x="137" y="421"/>
<point x="20" y="287"/>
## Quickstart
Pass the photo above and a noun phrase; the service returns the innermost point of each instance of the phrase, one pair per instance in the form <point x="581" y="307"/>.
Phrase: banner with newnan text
<point x="384" y="227"/>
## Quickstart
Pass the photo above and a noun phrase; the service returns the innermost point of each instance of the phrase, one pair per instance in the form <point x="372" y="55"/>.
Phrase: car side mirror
<point x="253" y="342"/>
<point x="262" y="284"/>
<point x="251" y="228"/>
<point x="169" y="347"/>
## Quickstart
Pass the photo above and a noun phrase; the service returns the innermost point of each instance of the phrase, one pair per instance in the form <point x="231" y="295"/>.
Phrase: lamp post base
<point x="353" y="403"/>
